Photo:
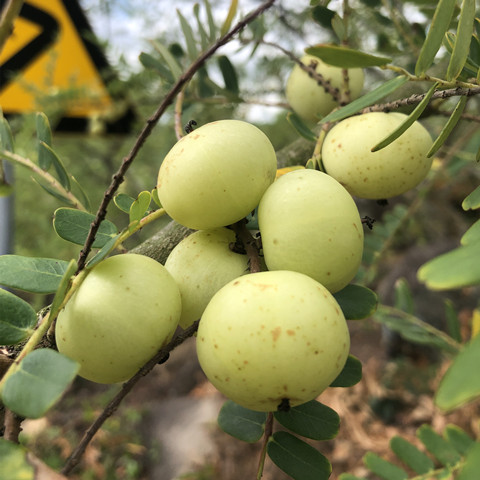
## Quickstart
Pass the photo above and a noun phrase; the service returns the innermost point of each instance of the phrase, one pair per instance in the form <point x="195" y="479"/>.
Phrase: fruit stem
<point x="266" y="437"/>
<point x="250" y="244"/>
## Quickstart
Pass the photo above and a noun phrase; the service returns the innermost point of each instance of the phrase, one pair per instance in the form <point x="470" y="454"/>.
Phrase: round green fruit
<point x="308" y="99"/>
<point x="216" y="175"/>
<point x="391" y="171"/>
<point x="310" y="224"/>
<point x="124" y="311"/>
<point x="269" y="337"/>
<point x="201" y="264"/>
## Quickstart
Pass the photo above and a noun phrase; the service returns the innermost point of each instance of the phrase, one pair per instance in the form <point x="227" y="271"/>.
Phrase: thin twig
<point x="249" y="244"/>
<point x="266" y="436"/>
<point x="8" y="15"/>
<point x="13" y="426"/>
<point x="119" y="176"/>
<point x="110" y="409"/>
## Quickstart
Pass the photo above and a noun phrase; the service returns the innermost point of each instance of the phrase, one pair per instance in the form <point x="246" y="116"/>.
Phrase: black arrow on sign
<point x="18" y="62"/>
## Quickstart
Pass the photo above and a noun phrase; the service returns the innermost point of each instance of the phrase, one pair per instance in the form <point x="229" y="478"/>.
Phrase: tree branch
<point x="9" y="14"/>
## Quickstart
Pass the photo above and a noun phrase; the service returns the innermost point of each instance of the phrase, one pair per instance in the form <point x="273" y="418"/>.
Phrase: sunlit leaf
<point x="44" y="135"/>
<point x="472" y="201"/>
<point x="438" y="27"/>
<point x="242" y="423"/>
<point x="297" y="458"/>
<point x="140" y="206"/>
<point x="17" y="318"/>
<point x="31" y="274"/>
<point x="232" y="11"/>
<point x="357" y="302"/>
<point x="351" y="373"/>
<point x="472" y="235"/>
<point x="38" y="383"/>
<point x="155" y="198"/>
<point x="344" y="57"/>
<point x="461" y="382"/>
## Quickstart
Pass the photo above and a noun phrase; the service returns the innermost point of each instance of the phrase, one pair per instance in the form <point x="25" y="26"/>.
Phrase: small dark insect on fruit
<point x="189" y="126"/>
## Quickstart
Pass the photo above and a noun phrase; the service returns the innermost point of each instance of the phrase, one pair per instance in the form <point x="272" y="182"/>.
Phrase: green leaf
<point x="461" y="382"/>
<point x="472" y="201"/>
<point x="232" y="11"/>
<point x="40" y="380"/>
<point x="63" y="287"/>
<point x="472" y="235"/>
<point x="472" y="464"/>
<point x="6" y="137"/>
<point x="408" y="122"/>
<point x="36" y="275"/>
<point x="438" y="446"/>
<point x="242" y="423"/>
<point x="297" y="123"/>
<point x="455" y="269"/>
<point x="44" y="135"/>
<point x="154" y="194"/>
<point x="170" y="60"/>
<point x="62" y="174"/>
<point x="453" y="323"/>
<point x="103" y="252"/>
<point x="73" y="225"/>
<point x="323" y="16"/>
<point x="357" y="302"/>
<point x="351" y="373"/>
<point x="229" y="74"/>
<point x="463" y="39"/>
<point x="338" y="26"/>
<point x="364" y="101"/>
<point x="201" y="29"/>
<point x="80" y="193"/>
<point x="312" y="420"/>
<point x="54" y="193"/>
<point x="296" y="458"/>
<point x="438" y="28"/>
<point x="189" y="37"/>
<point x="349" y="476"/>
<point x="151" y="62"/>
<point x="411" y="455"/>
<point x="344" y="57"/>
<point x="457" y="437"/>
<point x="123" y="202"/>
<point x="403" y="296"/>
<point x="383" y="468"/>
<point x="211" y="21"/>
<point x="13" y="462"/>
<point x="140" y="206"/>
<point x="449" y="126"/>
<point x="17" y="318"/>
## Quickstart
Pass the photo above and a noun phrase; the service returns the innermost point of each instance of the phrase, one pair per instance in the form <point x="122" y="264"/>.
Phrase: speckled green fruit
<point x="124" y="311"/>
<point x="216" y="175"/>
<point x="270" y="336"/>
<point x="309" y="100"/>
<point x="391" y="171"/>
<point x="310" y="224"/>
<point x="201" y="264"/>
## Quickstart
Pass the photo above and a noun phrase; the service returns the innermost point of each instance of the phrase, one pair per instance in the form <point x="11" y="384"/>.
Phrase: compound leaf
<point x="297" y="458"/>
<point x="17" y="318"/>
<point x="383" y="468"/>
<point x="242" y="423"/>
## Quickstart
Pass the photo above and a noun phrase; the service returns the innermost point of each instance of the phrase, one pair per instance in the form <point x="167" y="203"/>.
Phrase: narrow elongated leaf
<point x="211" y="21"/>
<point x="449" y="126"/>
<point x="63" y="287"/>
<point x="383" y="468"/>
<point x="403" y="296"/>
<point x="201" y="29"/>
<point x="6" y="137"/>
<point x="229" y="74"/>
<point x="366" y="100"/>
<point x="457" y="437"/>
<point x="17" y="318"/>
<point x="42" y="377"/>
<point x="461" y="48"/>
<point x="73" y="225"/>
<point x="140" y="206"/>
<point x="189" y="37"/>
<point x="80" y="193"/>
<point x="408" y="122"/>
<point x="438" y="27"/>
<point x="103" y="252"/>
<point x="472" y="201"/>
<point x="349" y="476"/>
<point x="455" y="269"/>
<point x="44" y="135"/>
<point x="438" y="446"/>
<point x="149" y="61"/>
<point x="338" y="26"/>
<point x="312" y="420"/>
<point x="297" y="123"/>
<point x="62" y="174"/>
<point x="54" y="193"/>
<point x="344" y="57"/>
<point x="169" y="59"/>
<point x="411" y="455"/>
<point x="351" y="373"/>
<point x="453" y="323"/>
<point x="242" y="423"/>
<point x="357" y="302"/>
<point x="154" y="194"/>
<point x="36" y="275"/>
<point x="472" y="235"/>
<point x="296" y="458"/>
<point x="472" y="464"/>
<point x="13" y="462"/>
<point x="232" y="11"/>
<point x="461" y="382"/>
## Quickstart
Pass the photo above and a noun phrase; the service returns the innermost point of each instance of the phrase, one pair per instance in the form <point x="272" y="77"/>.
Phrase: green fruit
<point x="216" y="175"/>
<point x="310" y="224"/>
<point x="201" y="264"/>
<point x="391" y="171"/>
<point x="125" y="310"/>
<point x="271" y="336"/>
<point x="309" y="100"/>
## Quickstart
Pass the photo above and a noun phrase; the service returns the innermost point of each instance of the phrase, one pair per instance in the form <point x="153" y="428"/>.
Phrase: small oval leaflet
<point x="357" y="302"/>
<point x="242" y="423"/>
<point x="17" y="318"/>
<point x="351" y="373"/>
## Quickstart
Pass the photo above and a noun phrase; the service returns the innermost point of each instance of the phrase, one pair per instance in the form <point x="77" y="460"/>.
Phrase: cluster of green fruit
<point x="266" y="338"/>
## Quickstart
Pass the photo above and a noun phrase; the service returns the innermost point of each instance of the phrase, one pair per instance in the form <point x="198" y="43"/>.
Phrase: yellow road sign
<point x="50" y="60"/>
